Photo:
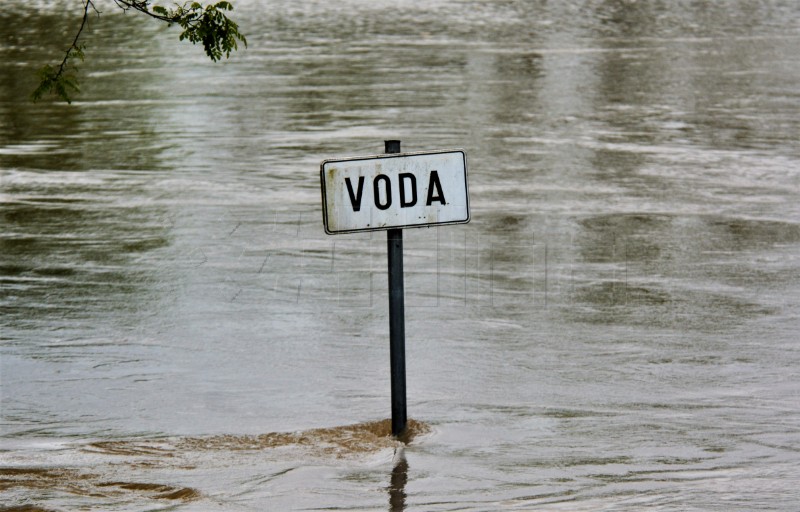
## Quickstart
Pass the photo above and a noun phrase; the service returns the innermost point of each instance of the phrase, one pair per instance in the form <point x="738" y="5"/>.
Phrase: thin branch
<point x="143" y="7"/>
<point x="63" y="66"/>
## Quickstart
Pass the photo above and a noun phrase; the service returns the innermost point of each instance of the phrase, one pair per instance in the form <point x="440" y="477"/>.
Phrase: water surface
<point x="616" y="329"/>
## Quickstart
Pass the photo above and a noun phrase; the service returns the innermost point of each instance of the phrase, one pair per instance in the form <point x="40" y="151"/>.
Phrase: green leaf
<point x="77" y="51"/>
<point x="54" y="83"/>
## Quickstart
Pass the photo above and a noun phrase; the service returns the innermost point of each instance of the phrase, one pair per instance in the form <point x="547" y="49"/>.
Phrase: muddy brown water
<point x="616" y="329"/>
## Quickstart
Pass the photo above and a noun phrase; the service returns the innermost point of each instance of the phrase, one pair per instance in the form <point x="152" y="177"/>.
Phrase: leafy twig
<point x="207" y="25"/>
<point x="58" y="80"/>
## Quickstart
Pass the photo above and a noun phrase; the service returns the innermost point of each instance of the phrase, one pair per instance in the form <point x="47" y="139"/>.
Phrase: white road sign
<point x="395" y="190"/>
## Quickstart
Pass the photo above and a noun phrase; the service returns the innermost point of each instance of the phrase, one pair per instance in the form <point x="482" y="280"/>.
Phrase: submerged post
<point x="397" y="328"/>
<point x="357" y="196"/>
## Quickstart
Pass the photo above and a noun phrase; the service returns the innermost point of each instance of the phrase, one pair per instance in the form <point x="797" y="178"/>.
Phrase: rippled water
<point x="616" y="329"/>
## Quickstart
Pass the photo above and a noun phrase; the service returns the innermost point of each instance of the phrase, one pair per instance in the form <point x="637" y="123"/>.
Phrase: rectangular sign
<point x="395" y="190"/>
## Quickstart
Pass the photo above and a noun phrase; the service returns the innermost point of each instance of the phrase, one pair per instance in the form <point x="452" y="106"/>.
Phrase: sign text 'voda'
<point x="399" y="190"/>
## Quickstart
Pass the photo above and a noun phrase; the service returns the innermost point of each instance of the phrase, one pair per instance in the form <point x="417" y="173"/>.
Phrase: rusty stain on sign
<point x="397" y="190"/>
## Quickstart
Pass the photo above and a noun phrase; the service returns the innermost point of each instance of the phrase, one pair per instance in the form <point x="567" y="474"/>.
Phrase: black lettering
<point x="413" y="201"/>
<point x="387" y="189"/>
<point x="355" y="198"/>
<point x="434" y="184"/>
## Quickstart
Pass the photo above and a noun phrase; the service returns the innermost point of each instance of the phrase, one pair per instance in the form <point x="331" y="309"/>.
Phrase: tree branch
<point x="74" y="45"/>
<point x="59" y="80"/>
<point x="207" y="25"/>
<point x="142" y="6"/>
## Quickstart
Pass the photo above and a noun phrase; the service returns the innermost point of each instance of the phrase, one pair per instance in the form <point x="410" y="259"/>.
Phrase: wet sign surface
<point x="400" y="190"/>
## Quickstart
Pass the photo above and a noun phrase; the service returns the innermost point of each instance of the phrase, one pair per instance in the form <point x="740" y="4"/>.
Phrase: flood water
<point x="616" y="329"/>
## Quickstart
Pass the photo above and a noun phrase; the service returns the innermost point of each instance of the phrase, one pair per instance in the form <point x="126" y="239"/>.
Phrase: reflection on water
<point x="397" y="484"/>
<point x="616" y="327"/>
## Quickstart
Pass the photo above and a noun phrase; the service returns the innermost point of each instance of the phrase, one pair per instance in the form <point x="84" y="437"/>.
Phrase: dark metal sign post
<point x="390" y="192"/>
<point x="397" y="321"/>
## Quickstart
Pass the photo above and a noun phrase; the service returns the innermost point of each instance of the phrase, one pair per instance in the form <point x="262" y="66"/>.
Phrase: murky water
<point x="616" y="329"/>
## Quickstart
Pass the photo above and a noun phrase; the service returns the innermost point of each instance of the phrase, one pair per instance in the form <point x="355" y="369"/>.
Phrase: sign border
<point x="384" y="156"/>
